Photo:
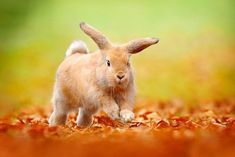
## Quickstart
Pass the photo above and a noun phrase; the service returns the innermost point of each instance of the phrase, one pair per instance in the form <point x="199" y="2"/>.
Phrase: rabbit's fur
<point x="86" y="82"/>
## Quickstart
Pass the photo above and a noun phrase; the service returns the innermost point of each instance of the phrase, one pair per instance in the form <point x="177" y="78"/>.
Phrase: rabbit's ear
<point x="98" y="37"/>
<point x="138" y="45"/>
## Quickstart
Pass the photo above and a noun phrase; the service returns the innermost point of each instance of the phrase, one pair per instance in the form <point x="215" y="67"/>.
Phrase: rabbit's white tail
<point x="77" y="46"/>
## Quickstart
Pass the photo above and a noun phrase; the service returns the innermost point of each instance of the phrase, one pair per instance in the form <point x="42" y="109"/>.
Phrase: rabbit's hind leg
<point x="84" y="118"/>
<point x="59" y="115"/>
<point x="57" y="119"/>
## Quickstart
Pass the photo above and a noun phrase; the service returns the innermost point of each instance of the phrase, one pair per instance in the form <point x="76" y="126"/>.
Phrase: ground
<point x="159" y="129"/>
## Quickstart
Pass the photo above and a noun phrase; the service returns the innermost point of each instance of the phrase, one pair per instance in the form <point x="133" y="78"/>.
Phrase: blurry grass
<point x="193" y="61"/>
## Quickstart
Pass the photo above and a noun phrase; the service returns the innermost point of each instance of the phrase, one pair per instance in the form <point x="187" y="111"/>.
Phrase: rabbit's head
<point x="115" y="58"/>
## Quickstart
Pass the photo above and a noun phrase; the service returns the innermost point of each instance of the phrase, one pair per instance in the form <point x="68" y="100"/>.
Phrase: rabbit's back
<point x="75" y="79"/>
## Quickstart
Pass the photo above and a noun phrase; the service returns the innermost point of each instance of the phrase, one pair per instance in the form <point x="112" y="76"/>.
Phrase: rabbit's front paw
<point x="127" y="115"/>
<point x="113" y="112"/>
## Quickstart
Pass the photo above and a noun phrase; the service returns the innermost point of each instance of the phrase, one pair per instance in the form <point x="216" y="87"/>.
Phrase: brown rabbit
<point x="86" y="82"/>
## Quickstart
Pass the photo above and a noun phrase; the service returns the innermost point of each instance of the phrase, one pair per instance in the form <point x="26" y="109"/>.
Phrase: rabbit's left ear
<point x="101" y="40"/>
<point x="138" y="45"/>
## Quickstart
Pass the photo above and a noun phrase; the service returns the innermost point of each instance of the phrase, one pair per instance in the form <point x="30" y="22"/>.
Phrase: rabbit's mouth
<point x="121" y="83"/>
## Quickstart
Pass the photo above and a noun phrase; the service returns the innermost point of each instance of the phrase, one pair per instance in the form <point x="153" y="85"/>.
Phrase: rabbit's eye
<point x="108" y="63"/>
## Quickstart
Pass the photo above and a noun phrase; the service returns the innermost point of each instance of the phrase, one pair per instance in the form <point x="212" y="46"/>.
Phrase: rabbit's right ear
<point x="98" y="37"/>
<point x="138" y="45"/>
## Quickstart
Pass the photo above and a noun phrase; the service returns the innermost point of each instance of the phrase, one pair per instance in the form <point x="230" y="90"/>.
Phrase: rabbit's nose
<point x="120" y="76"/>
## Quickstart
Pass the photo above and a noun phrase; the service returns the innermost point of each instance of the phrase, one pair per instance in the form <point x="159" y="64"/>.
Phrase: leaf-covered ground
<point x="159" y="129"/>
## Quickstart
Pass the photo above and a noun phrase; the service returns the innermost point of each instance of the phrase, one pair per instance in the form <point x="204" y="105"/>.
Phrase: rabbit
<point x="87" y="82"/>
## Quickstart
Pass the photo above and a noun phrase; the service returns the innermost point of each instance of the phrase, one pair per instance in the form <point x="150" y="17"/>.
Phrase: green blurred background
<point x="194" y="61"/>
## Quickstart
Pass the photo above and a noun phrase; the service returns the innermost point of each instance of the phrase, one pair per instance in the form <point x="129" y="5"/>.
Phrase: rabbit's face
<point x="117" y="65"/>
<point x="115" y="59"/>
